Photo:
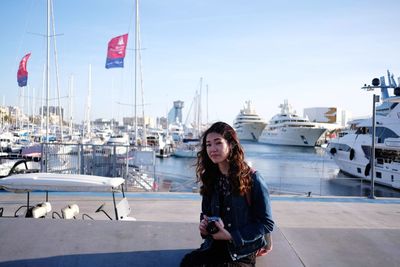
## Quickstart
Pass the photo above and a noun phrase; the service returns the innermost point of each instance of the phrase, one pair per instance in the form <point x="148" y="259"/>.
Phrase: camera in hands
<point x="211" y="227"/>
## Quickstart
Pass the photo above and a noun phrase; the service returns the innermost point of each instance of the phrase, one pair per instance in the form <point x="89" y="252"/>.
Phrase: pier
<point x="323" y="231"/>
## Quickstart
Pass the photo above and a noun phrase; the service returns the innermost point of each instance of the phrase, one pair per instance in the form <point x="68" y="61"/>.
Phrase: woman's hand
<point x="222" y="234"/>
<point x="203" y="225"/>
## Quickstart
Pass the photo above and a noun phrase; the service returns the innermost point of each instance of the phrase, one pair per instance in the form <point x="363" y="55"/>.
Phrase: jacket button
<point x="228" y="208"/>
<point x="229" y="225"/>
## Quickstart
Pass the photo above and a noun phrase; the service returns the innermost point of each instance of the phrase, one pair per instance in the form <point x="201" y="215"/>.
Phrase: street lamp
<point x="375" y="99"/>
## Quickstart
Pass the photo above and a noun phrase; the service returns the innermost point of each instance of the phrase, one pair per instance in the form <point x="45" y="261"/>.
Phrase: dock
<point x="310" y="231"/>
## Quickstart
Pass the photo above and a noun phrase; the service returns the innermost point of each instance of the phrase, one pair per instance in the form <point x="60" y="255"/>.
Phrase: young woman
<point x="236" y="212"/>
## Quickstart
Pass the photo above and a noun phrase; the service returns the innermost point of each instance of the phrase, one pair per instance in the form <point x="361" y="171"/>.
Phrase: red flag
<point x="22" y="74"/>
<point x="116" y="51"/>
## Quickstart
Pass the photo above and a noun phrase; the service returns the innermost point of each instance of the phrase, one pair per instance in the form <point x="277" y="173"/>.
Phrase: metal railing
<point x="139" y="170"/>
<point x="134" y="164"/>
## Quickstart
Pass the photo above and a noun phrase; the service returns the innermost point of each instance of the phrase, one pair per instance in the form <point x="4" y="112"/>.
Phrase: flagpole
<point x="27" y="97"/>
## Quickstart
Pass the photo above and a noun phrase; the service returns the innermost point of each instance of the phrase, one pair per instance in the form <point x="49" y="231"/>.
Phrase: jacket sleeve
<point x="261" y="203"/>
<point x="205" y="206"/>
<point x="260" y="211"/>
<point x="205" y="209"/>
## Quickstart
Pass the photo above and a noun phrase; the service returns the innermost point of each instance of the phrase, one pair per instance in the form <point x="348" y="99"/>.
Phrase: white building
<point x="330" y="117"/>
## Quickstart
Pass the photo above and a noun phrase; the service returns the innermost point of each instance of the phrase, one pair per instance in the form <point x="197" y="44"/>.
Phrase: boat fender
<point x="47" y="205"/>
<point x="333" y="151"/>
<point x="367" y="169"/>
<point x="70" y="211"/>
<point x="39" y="211"/>
<point x="352" y="153"/>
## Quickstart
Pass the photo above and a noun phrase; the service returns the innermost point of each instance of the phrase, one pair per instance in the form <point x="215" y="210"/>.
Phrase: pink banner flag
<point x="22" y="74"/>
<point x="116" y="51"/>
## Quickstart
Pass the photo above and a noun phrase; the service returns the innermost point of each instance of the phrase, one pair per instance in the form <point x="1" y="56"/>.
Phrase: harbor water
<point x="287" y="170"/>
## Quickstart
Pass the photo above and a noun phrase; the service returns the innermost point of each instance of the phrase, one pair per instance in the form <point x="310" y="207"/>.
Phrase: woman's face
<point x="217" y="148"/>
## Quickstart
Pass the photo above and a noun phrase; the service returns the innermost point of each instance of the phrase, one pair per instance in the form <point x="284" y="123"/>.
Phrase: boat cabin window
<point x="387" y="155"/>
<point x="362" y="130"/>
<point x="341" y="147"/>
<point x="382" y="133"/>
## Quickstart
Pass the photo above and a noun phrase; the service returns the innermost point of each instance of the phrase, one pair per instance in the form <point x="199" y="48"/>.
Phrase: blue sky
<point x="313" y="53"/>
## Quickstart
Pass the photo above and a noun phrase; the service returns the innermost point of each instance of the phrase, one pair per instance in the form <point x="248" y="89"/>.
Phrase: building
<point x="130" y="121"/>
<point x="162" y="122"/>
<point x="331" y="117"/>
<point x="103" y="123"/>
<point x="175" y="114"/>
<point x="54" y="111"/>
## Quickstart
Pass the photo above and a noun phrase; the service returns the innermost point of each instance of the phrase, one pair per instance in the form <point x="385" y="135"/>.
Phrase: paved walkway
<point x="310" y="232"/>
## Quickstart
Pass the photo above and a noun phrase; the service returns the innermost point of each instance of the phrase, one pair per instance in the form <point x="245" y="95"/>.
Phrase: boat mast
<point x="57" y="77"/>
<point x="2" y="115"/>
<point x="207" y="106"/>
<point x="33" y="109"/>
<point x="42" y="98"/>
<point x="88" y="104"/>
<point x="144" y="137"/>
<point x="136" y="57"/>
<point x="47" y="72"/>
<point x="71" y="86"/>
<point x="199" y="116"/>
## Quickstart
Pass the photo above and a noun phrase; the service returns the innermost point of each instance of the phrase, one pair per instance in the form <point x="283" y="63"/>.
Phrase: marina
<point x="287" y="170"/>
<point x="99" y="132"/>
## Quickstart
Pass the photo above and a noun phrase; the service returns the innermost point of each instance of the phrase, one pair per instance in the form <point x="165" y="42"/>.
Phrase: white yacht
<point x="352" y="151"/>
<point x="176" y="131"/>
<point x="161" y="142"/>
<point x="188" y="148"/>
<point x="118" y="143"/>
<point x="286" y="128"/>
<point x="248" y="124"/>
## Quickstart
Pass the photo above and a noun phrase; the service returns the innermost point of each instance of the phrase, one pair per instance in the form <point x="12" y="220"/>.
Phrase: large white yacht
<point x="352" y="151"/>
<point x="248" y="124"/>
<point x="287" y="128"/>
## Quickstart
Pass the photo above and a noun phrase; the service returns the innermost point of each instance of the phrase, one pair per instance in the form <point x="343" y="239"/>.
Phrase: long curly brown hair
<point x="208" y="172"/>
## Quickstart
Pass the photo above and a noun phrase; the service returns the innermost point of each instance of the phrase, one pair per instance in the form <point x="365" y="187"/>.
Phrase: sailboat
<point x="36" y="150"/>
<point x="190" y="145"/>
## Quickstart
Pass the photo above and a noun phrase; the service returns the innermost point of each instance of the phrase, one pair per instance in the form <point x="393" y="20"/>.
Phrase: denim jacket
<point x="246" y="223"/>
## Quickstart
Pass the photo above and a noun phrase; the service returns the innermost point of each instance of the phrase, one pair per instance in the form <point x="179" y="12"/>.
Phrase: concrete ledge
<point x="312" y="232"/>
<point x="47" y="242"/>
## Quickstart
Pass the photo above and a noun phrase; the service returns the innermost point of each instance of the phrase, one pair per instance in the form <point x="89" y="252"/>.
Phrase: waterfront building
<point x="146" y="121"/>
<point x="329" y="117"/>
<point x="175" y="114"/>
<point x="53" y="111"/>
